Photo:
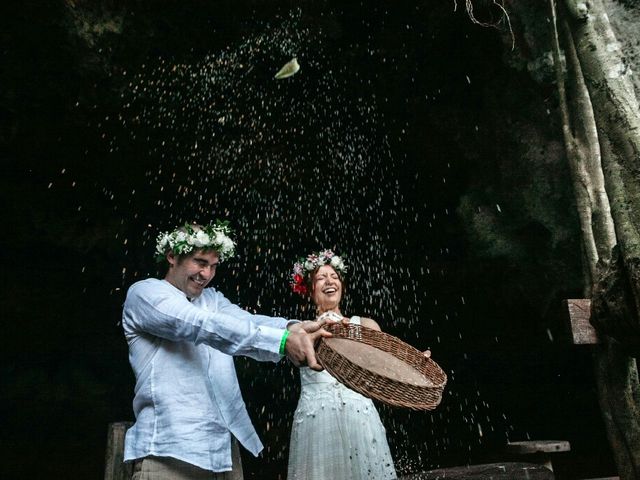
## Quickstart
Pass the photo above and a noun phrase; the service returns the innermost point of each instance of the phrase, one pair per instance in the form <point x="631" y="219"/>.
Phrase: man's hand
<point x="300" y="343"/>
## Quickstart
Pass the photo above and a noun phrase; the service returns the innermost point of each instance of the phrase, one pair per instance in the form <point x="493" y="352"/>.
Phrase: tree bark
<point x="580" y="135"/>
<point x="618" y="122"/>
<point x="601" y="132"/>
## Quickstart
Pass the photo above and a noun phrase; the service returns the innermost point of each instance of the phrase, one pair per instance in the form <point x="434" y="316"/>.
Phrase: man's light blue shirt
<point x="187" y="399"/>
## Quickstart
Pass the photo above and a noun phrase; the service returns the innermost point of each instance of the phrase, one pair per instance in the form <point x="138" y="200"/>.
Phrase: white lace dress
<point x="337" y="433"/>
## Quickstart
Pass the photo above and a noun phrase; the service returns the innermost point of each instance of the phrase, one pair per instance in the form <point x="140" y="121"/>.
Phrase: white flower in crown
<point x="337" y="263"/>
<point x="226" y="242"/>
<point x="201" y="239"/>
<point x="162" y="243"/>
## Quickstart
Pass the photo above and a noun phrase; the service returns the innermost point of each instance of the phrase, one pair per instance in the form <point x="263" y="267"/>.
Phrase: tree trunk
<point x="602" y="133"/>
<point x="618" y="121"/>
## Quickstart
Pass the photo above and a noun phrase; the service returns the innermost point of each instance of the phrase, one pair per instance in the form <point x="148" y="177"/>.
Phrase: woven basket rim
<point x="374" y="385"/>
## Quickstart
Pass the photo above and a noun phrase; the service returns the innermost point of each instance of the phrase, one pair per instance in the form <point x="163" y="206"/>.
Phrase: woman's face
<point x="326" y="288"/>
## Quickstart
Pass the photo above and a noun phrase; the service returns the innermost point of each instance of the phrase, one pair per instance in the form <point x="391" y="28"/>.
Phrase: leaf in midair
<point x="290" y="68"/>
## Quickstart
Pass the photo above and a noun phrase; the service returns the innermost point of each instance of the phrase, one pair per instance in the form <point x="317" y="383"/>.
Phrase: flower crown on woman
<point x="305" y="266"/>
<point x="185" y="239"/>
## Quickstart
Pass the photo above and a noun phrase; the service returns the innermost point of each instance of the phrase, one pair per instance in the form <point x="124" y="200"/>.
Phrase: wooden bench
<point x="493" y="471"/>
<point x="538" y="451"/>
<point x="603" y="478"/>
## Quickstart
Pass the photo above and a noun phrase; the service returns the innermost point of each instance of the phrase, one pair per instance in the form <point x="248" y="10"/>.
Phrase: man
<point x="182" y="336"/>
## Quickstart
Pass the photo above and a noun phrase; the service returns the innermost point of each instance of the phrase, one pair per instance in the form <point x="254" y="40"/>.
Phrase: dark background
<point x="472" y="227"/>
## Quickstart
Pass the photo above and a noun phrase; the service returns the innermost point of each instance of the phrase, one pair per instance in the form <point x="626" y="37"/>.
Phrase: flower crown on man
<point x="306" y="266"/>
<point x="184" y="240"/>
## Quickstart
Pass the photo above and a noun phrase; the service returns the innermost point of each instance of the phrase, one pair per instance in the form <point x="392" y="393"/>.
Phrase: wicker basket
<point x="389" y="388"/>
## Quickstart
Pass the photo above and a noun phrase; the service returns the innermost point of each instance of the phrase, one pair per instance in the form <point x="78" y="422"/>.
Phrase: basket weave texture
<point x="380" y="387"/>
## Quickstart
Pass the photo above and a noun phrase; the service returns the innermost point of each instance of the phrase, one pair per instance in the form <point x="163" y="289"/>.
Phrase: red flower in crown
<point x="297" y="285"/>
<point x="301" y="289"/>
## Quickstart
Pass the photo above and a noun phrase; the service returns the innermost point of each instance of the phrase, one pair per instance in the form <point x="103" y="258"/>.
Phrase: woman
<point x="337" y="433"/>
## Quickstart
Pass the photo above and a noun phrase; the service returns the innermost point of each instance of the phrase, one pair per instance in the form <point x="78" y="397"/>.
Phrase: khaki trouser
<point x="167" y="468"/>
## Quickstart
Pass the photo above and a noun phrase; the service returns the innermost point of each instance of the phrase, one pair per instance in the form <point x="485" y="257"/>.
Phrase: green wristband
<point x="283" y="342"/>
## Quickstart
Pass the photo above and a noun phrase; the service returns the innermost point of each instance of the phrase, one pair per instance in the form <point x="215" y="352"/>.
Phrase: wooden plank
<point x="538" y="446"/>
<point x="114" y="468"/>
<point x="493" y="471"/>
<point x="582" y="332"/>
<point x="603" y="478"/>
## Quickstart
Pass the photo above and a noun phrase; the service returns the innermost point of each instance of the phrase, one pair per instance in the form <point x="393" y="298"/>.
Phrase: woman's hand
<point x="427" y="353"/>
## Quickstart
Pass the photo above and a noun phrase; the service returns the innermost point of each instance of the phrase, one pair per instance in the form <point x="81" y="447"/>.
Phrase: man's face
<point x="193" y="272"/>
